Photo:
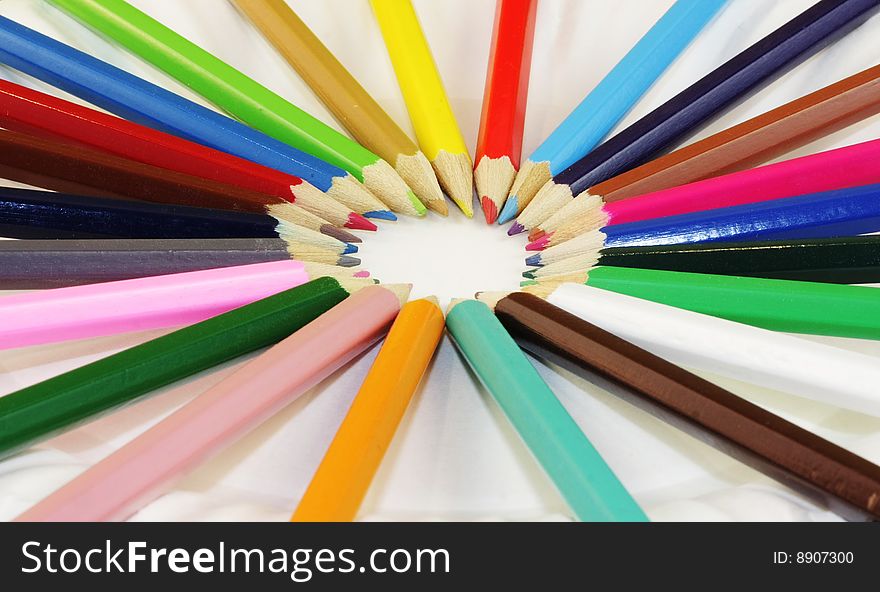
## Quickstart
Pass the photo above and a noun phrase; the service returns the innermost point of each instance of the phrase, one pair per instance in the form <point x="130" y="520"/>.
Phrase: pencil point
<point x="381" y="215"/>
<point x="529" y="275"/>
<point x="346" y="261"/>
<point x="456" y="176"/>
<point x="489" y="210"/>
<point x="538" y="245"/>
<point x="358" y="222"/>
<point x="515" y="229"/>
<point x="490" y="299"/>
<point x="349" y="249"/>
<point x="509" y="211"/>
<point x="533" y="260"/>
<point x="402" y="291"/>
<point x="455" y="302"/>
<point x="339" y="234"/>
<point x="433" y="300"/>
<point x="420" y="208"/>
<point x="362" y="274"/>
<point x="535" y="234"/>
<point x="385" y="183"/>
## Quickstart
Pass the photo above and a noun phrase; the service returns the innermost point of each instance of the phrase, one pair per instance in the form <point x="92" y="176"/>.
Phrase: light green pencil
<point x="241" y="96"/>
<point x="585" y="481"/>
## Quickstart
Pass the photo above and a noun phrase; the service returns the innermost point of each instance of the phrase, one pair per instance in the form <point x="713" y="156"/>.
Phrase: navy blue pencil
<point x="31" y="214"/>
<point x="697" y="105"/>
<point x="142" y="102"/>
<point x="829" y="214"/>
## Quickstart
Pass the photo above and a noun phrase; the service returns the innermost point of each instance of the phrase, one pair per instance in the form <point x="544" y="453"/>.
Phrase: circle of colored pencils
<point x="241" y="96"/>
<point x="789" y="364"/>
<point x="579" y="473"/>
<point x="436" y="128"/>
<point x="36" y="113"/>
<point x="738" y="148"/>
<point x="40" y="264"/>
<point x="350" y="104"/>
<point x="611" y="100"/>
<point x="342" y="479"/>
<point x="718" y="91"/>
<point x="830" y="214"/>
<point x="845" y="260"/>
<point x="499" y="141"/>
<point x="139" y="472"/>
<point x="157" y="302"/>
<point x="780" y="305"/>
<point x="26" y="213"/>
<point x="136" y="99"/>
<point x="833" y="169"/>
<point x="848" y="484"/>
<point x="60" y="403"/>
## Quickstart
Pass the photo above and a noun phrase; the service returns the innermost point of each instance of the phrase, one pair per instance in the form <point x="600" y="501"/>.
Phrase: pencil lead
<point x="539" y="244"/>
<point x="530" y="274"/>
<point x="339" y="234"/>
<point x="362" y="274"/>
<point x="349" y="249"/>
<point x="381" y="215"/>
<point x="534" y="260"/>
<point x="358" y="222"/>
<point x="515" y="229"/>
<point x="510" y="209"/>
<point x="346" y="261"/>
<point x="490" y="211"/>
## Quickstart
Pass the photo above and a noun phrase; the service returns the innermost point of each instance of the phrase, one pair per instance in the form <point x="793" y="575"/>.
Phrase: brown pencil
<point x="342" y="94"/>
<point x="738" y="148"/>
<point x="848" y="484"/>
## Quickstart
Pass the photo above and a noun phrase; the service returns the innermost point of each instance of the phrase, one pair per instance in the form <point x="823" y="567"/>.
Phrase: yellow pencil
<point x="344" y="475"/>
<point x="436" y="128"/>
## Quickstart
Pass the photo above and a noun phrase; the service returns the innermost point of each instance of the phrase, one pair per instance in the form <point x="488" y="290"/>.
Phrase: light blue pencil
<point x="587" y="484"/>
<point x="611" y="100"/>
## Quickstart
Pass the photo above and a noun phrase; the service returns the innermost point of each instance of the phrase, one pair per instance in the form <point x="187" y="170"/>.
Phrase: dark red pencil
<point x="29" y="111"/>
<point x="499" y="143"/>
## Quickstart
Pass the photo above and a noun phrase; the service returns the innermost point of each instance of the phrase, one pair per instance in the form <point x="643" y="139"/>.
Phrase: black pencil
<point x="847" y="260"/>
<point x="40" y="264"/>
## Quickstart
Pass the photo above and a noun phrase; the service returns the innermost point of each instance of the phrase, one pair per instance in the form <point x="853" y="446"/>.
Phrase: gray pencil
<point x="38" y="264"/>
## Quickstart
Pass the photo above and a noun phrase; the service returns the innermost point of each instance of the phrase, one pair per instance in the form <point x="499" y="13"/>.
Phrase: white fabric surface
<point x="455" y="457"/>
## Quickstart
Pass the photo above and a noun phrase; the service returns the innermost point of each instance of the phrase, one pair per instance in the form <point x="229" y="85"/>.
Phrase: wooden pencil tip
<point x="456" y="176"/>
<point x="417" y="172"/>
<point x="316" y="270"/>
<point x="493" y="177"/>
<point x="352" y="285"/>
<point x="491" y="298"/>
<point x="382" y="180"/>
<point x="402" y="291"/>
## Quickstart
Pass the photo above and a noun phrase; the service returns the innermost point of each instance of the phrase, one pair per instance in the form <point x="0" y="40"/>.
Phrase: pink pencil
<point x="835" y="169"/>
<point x="140" y="471"/>
<point x="93" y="310"/>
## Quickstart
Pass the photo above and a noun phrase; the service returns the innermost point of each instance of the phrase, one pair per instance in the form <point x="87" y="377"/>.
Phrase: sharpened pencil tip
<point x="515" y="229"/>
<point x="402" y="291"/>
<point x="535" y="234"/>
<point x="346" y="261"/>
<point x="509" y="211"/>
<point x="490" y="211"/>
<point x="539" y="244"/>
<point x="533" y="260"/>
<point x="529" y="275"/>
<point x="420" y="208"/>
<point x="362" y="274"/>
<point x="381" y="215"/>
<point x="358" y="222"/>
<point x="349" y="249"/>
<point x="339" y="234"/>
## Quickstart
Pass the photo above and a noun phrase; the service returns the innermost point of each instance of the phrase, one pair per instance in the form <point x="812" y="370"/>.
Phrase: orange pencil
<point x="344" y="475"/>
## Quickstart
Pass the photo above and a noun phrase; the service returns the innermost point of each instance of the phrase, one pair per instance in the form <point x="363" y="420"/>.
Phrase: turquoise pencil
<point x="611" y="100"/>
<point x="580" y="474"/>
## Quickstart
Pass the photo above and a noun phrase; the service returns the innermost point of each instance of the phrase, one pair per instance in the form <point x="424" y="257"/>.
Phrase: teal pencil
<point x="587" y="484"/>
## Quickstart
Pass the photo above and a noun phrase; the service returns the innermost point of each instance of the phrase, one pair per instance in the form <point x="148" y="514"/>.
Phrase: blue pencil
<point x="137" y="100"/>
<point x="829" y="214"/>
<point x="611" y="100"/>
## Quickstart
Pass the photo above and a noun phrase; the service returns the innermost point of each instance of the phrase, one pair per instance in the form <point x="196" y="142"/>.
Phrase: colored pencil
<point x="830" y="214"/>
<point x="846" y="260"/>
<point x="26" y="213"/>
<point x="834" y="169"/>
<point x="796" y="366"/>
<point x="350" y="104"/>
<point x="339" y="485"/>
<point x="241" y="96"/>
<point x="738" y="148"/>
<point x="137" y="100"/>
<point x="436" y="129"/>
<point x="41" y="264"/>
<point x="779" y="305"/>
<point x="140" y="471"/>
<point x="847" y="484"/>
<point x="499" y="141"/>
<point x="824" y="22"/>
<point x="36" y="113"/>
<point x="615" y="96"/>
<point x="581" y="476"/>
<point x="157" y="302"/>
<point x="60" y="403"/>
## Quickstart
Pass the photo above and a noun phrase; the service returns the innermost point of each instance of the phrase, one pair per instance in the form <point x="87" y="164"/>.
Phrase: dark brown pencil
<point x="848" y="484"/>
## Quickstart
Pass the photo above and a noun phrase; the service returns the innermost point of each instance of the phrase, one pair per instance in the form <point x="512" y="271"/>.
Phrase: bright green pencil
<point x="62" y="402"/>
<point x="780" y="305"/>
<point x="580" y="474"/>
<point x="241" y="96"/>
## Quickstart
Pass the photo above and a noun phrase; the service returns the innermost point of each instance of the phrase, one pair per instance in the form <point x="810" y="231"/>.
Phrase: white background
<point x="454" y="457"/>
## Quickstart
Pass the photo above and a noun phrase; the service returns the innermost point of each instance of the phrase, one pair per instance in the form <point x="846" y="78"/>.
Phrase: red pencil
<point x="30" y="111"/>
<point x="499" y="143"/>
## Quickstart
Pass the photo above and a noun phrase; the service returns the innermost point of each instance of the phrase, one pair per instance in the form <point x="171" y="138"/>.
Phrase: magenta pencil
<point x="841" y="168"/>
<point x="174" y="300"/>
<point x="140" y="471"/>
